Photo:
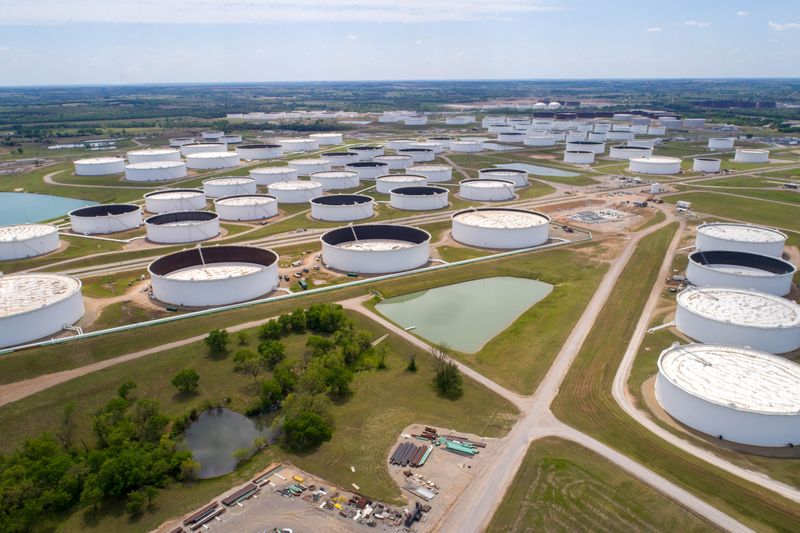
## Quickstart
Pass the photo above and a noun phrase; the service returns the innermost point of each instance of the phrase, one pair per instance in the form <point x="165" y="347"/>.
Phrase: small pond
<point x="217" y="434"/>
<point x="540" y="170"/>
<point x="467" y="315"/>
<point x="22" y="207"/>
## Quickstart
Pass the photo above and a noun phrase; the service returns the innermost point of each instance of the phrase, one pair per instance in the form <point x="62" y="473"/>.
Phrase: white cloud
<point x="742" y="13"/>
<point x="697" y="24"/>
<point x="5" y="48"/>
<point x="784" y="26"/>
<point x="46" y="12"/>
<point x="352" y="37"/>
<point x="654" y="29"/>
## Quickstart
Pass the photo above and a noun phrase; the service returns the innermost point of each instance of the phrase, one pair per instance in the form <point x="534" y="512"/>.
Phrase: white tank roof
<point x="741" y="232"/>
<point x="99" y="160"/>
<point x="733" y="377"/>
<point x="428" y="168"/>
<point x="311" y="161"/>
<point x="294" y="185"/>
<point x="376" y="245"/>
<point x="741" y="307"/>
<point x="501" y="218"/>
<point x="657" y="159"/>
<point x="229" y="180"/>
<point x="273" y="170"/>
<point x="174" y="195"/>
<point x="214" y="271"/>
<point x="400" y="178"/>
<point x="256" y="199"/>
<point x="334" y="174"/>
<point x="488" y="184"/>
<point x="151" y="165"/>
<point x="23" y="232"/>
<point x="211" y="155"/>
<point x="21" y="293"/>
<point x="154" y="151"/>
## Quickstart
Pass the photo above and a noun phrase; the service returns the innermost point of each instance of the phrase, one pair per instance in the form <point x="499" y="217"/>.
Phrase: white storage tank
<point x="643" y="143"/>
<point x="395" y="162"/>
<point x="418" y="198"/>
<point x="511" y="137"/>
<point x="616" y="135"/>
<point x="340" y="159"/>
<point x="229" y="186"/>
<point x="199" y="148"/>
<point x="310" y="144"/>
<point x="591" y="146"/>
<point x="602" y="127"/>
<point x="741" y="270"/>
<point x="212" y="160"/>
<point x="517" y="176"/>
<point x="327" y="139"/>
<point x="629" y="152"/>
<point x="149" y="155"/>
<point x="539" y="140"/>
<point x="415" y="120"/>
<point x="375" y="248"/>
<point x="27" y="240"/>
<point x="419" y="155"/>
<point x="720" y="143"/>
<point x="655" y="165"/>
<point x="716" y="315"/>
<point x="295" y="192"/>
<point x="399" y="144"/>
<point x="292" y="145"/>
<point x="366" y="153"/>
<point x="170" y="200"/>
<point x="99" y="166"/>
<point x="437" y="147"/>
<point x="751" y="155"/>
<point x="732" y="393"/>
<point x="434" y="173"/>
<point x="578" y="157"/>
<point x="182" y="227"/>
<point x="35" y="306"/>
<point x="385" y="184"/>
<point x="594" y="136"/>
<point x="309" y="166"/>
<point x="268" y="175"/>
<point x="368" y="170"/>
<point x="214" y="275"/>
<point x="505" y="228"/>
<point x="736" y="237"/>
<point x="107" y="218"/>
<point x="694" y="122"/>
<point x="500" y="128"/>
<point x="575" y="136"/>
<point x="212" y="135"/>
<point x="467" y="147"/>
<point x="230" y="138"/>
<point x="155" y="171"/>
<point x="656" y="130"/>
<point x="706" y="164"/>
<point x="444" y="141"/>
<point x="332" y="180"/>
<point x="177" y="142"/>
<point x="459" y="120"/>
<point x="246" y="207"/>
<point x="486" y="190"/>
<point x="342" y="207"/>
<point x="259" y="152"/>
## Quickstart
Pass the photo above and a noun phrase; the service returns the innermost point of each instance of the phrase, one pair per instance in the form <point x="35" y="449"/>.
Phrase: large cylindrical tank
<point x="706" y="164"/>
<point x="231" y="138"/>
<point x="292" y="145"/>
<point x="578" y="157"/>
<point x="212" y="160"/>
<point x="375" y="248"/>
<point x="149" y="155"/>
<point x="108" y="218"/>
<point x="385" y="184"/>
<point x="309" y="166"/>
<point x="437" y="147"/>
<point x="751" y="155"/>
<point x="295" y="192"/>
<point x="486" y="190"/>
<point x="518" y="176"/>
<point x="342" y="207"/>
<point x="733" y="237"/>
<point x="368" y="170"/>
<point x="268" y="175"/>
<point x="594" y="136"/>
<point x="333" y="180"/>
<point x="99" y="166"/>
<point x="395" y="162"/>
<point x="494" y="227"/>
<point x="720" y="143"/>
<point x="212" y="135"/>
<point x="246" y="207"/>
<point x="592" y="146"/>
<point x="340" y="159"/>
<point x="27" y="240"/>
<point x="177" y="142"/>
<point x="171" y="200"/>
<point x="419" y="155"/>
<point x="418" y="198"/>
<point x="199" y="148"/>
<point x="259" y="152"/>
<point x="629" y="152"/>
<point x="366" y="153"/>
<point x="229" y="186"/>
<point x="655" y="165"/>
<point x="466" y="146"/>
<point x="155" y="171"/>
<point x="740" y="270"/>
<point x="328" y="139"/>
<point x="182" y="227"/>
<point x="539" y="140"/>
<point x="399" y="144"/>
<point x="434" y="173"/>
<point x="511" y="137"/>
<point x="615" y="135"/>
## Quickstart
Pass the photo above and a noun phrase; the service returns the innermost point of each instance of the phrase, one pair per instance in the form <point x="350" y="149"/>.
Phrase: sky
<point x="45" y="42"/>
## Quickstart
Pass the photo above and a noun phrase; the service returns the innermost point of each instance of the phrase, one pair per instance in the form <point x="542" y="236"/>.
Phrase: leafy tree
<point x="67" y="429"/>
<point x="285" y="322"/>
<point x="382" y="352"/>
<point x="305" y="431"/>
<point x="135" y="502"/>
<point x="325" y="318"/>
<point x="186" y="380"/>
<point x="243" y="338"/>
<point x="298" y="318"/>
<point x="448" y="379"/>
<point x="271" y="329"/>
<point x="412" y="363"/>
<point x="272" y="352"/>
<point x="217" y="341"/>
<point x="248" y="361"/>
<point x="284" y="375"/>
<point x="125" y="389"/>
<point x="271" y="394"/>
<point x="319" y="346"/>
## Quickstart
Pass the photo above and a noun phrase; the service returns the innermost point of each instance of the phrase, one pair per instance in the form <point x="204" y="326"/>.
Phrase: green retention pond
<point x="465" y="316"/>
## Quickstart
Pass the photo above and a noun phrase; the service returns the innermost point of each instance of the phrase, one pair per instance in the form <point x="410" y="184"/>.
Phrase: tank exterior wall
<point x="653" y="167"/>
<point x="332" y="184"/>
<point x="247" y="212"/>
<point x="145" y="157"/>
<point x="342" y="213"/>
<point x="215" y="292"/>
<point x="328" y="139"/>
<point x="579" y="158"/>
<point x="156" y="174"/>
<point x="295" y="196"/>
<point x="29" y="247"/>
<point x="189" y="149"/>
<point x="258" y="154"/>
<point x="703" y="276"/>
<point x="368" y="173"/>
<point x="386" y="186"/>
<point x="539" y="140"/>
<point x="504" y="238"/>
<point x="751" y="156"/>
<point x="469" y="147"/>
<point x="214" y="190"/>
<point x="42" y="322"/>
<point x="171" y="205"/>
<point x="623" y="152"/>
<point x="720" y="143"/>
<point x="434" y="176"/>
<point x="422" y="202"/>
<point x="198" y="231"/>
<point x="706" y="165"/>
<point x="372" y="262"/>
<point x="267" y="179"/>
<point x="597" y="148"/>
<point x="705" y="242"/>
<point x="199" y="163"/>
<point x="100" y="169"/>
<point x="486" y="194"/>
<point x="304" y="169"/>
<point x="106" y="224"/>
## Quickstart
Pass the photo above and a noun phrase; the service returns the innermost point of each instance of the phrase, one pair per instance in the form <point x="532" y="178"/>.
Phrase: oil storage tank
<point x="246" y="207"/>
<point x="591" y="146"/>
<point x="169" y="200"/>
<point x="742" y="270"/>
<point x="340" y="159"/>
<point x="419" y="155"/>
<point x="177" y="142"/>
<point x="486" y="190"/>
<point x="751" y="155"/>
<point x="720" y="143"/>
<point x="259" y="152"/>
<point x="418" y="198"/>
<point x="737" y="237"/>
<point x="214" y="275"/>
<point x="332" y="180"/>
<point x="295" y="192"/>
<point x="309" y="166"/>
<point x="366" y="153"/>
<point x="395" y="162"/>
<point x="517" y="176"/>
<point x="434" y="173"/>
<point x="466" y="146"/>
<point x="27" y="240"/>
<point x="229" y="186"/>
<point x="629" y="152"/>
<point x="385" y="184"/>
<point x="716" y="315"/>
<point x="182" y="227"/>
<point x="655" y="165"/>
<point x="148" y="155"/>
<point x="155" y="171"/>
<point x="99" y="166"/>
<point x="579" y="157"/>
<point x="375" y="248"/>
<point x="107" y="218"/>
<point x="212" y="160"/>
<point x="327" y="139"/>
<point x="706" y="164"/>
<point x="399" y="144"/>
<point x="200" y="148"/>
<point x="731" y="393"/>
<point x="342" y="207"/>
<point x="368" y="170"/>
<point x="37" y="305"/>
<point x="269" y="175"/>
<point x="505" y="228"/>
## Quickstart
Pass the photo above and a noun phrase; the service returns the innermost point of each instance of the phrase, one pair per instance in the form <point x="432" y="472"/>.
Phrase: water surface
<point x="467" y="315"/>
<point x="24" y="207"/>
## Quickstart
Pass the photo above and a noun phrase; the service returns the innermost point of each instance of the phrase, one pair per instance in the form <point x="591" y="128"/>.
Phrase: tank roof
<point x="104" y="210"/>
<point x="385" y="232"/>
<point x="22" y="293"/>
<point x="154" y="165"/>
<point x="656" y="159"/>
<point x="245" y="199"/>
<point x="419" y="191"/>
<point x="211" y="155"/>
<point x="734" y="377"/>
<point x="741" y="307"/>
<point x="294" y="185"/>
<point x="501" y="218"/>
<point x="741" y="232"/>
<point x="174" y="194"/>
<point x="273" y="170"/>
<point x="181" y="218"/>
<point x="401" y="178"/>
<point x="325" y="174"/>
<point x="429" y="168"/>
<point x="487" y="183"/>
<point x="342" y="199"/>
<point x="310" y="161"/>
<point x="751" y="263"/>
<point x="21" y="232"/>
<point x="99" y="160"/>
<point x="229" y="180"/>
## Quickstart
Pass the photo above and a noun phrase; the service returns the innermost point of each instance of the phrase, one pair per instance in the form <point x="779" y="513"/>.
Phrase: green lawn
<point x="585" y="402"/>
<point x="77" y="248"/>
<point x="738" y="181"/>
<point x="750" y="210"/>
<point x="366" y="425"/>
<point x="562" y="486"/>
<point x="110" y="285"/>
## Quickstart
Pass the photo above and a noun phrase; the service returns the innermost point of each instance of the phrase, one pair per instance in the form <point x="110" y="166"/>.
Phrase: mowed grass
<point x="519" y="357"/>
<point x="35" y="362"/>
<point x="77" y="248"/>
<point x="750" y="210"/>
<point x="366" y="424"/>
<point x="123" y="313"/>
<point x="585" y="402"/>
<point x="110" y="285"/>
<point x="562" y="486"/>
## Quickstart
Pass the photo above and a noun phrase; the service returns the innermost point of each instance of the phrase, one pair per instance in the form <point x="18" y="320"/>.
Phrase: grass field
<point x="739" y="181"/>
<point x="77" y="248"/>
<point x="562" y="486"/>
<point x="382" y="404"/>
<point x="585" y="402"/>
<point x="755" y="211"/>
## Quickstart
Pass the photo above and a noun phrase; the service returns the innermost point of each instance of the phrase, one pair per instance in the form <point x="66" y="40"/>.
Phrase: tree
<point x="135" y="502"/>
<point x="382" y="351"/>
<point x="305" y="430"/>
<point x="248" y="361"/>
<point x="448" y="379"/>
<point x="125" y="389"/>
<point x="284" y="375"/>
<point x="217" y="341"/>
<point x="270" y="395"/>
<point x="271" y="329"/>
<point x="412" y="363"/>
<point x="67" y="426"/>
<point x="319" y="346"/>
<point x="325" y="318"/>
<point x="186" y="380"/>
<point x="243" y="338"/>
<point x="298" y="318"/>
<point x="272" y="352"/>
